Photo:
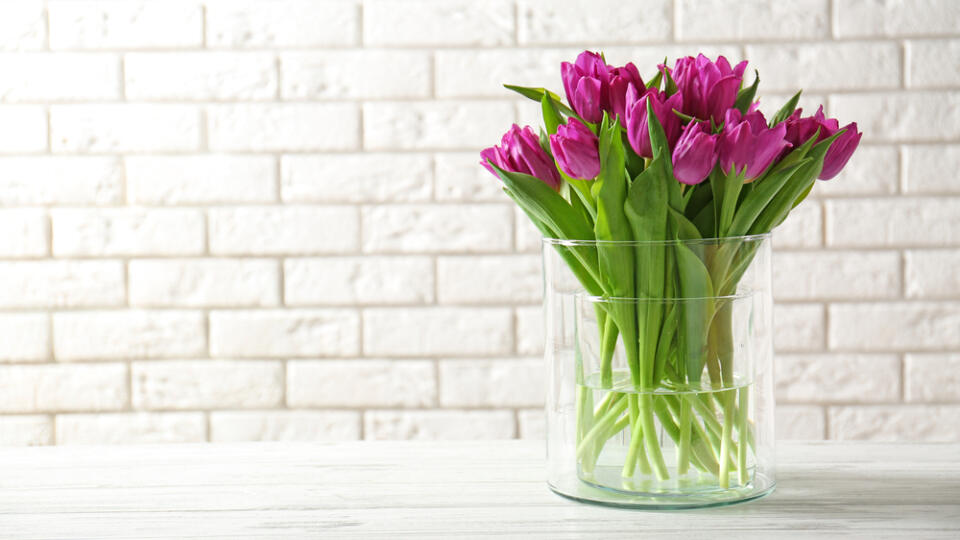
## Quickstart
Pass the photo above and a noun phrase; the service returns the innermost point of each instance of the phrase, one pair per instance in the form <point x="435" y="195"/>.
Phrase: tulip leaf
<point x="660" y="147"/>
<point x="759" y="197"/>
<point x="551" y="118"/>
<point x="726" y="192"/>
<point x="786" y="110"/>
<point x="655" y="81"/>
<point x="745" y="95"/>
<point x="685" y="229"/>
<point x="616" y="265"/>
<point x="684" y="117"/>
<point x="696" y="312"/>
<point x="670" y="87"/>
<point x="537" y="94"/>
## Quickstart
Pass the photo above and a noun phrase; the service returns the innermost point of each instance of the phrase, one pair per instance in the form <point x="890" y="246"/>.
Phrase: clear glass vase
<point x="662" y="397"/>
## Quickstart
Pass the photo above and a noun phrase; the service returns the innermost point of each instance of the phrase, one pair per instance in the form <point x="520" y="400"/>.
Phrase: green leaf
<point x="781" y="204"/>
<point x="684" y="117"/>
<point x="655" y="81"/>
<point x="537" y="94"/>
<point x="745" y="95"/>
<point x="671" y="87"/>
<point x="551" y="118"/>
<point x="786" y="110"/>
<point x="616" y="264"/>
<point x="695" y="314"/>
<point x="759" y="197"/>
<point x="685" y="229"/>
<point x="726" y="192"/>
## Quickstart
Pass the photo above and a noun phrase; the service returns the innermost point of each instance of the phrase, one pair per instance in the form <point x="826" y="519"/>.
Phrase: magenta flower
<point x="747" y="145"/>
<point x="520" y="151"/>
<point x="593" y="87"/>
<point x="635" y="119"/>
<point x="695" y="154"/>
<point x="575" y="148"/>
<point x="840" y="151"/>
<point x="708" y="88"/>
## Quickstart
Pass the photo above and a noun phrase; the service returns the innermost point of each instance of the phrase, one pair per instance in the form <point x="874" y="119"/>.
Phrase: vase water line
<point x="663" y="401"/>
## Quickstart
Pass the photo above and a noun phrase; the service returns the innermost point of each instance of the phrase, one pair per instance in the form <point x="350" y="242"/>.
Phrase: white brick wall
<point x="265" y="219"/>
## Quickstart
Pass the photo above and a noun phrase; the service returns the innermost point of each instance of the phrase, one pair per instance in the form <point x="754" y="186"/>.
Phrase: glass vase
<point x="661" y="398"/>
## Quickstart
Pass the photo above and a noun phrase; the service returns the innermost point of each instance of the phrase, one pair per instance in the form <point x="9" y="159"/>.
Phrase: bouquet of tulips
<point x="686" y="155"/>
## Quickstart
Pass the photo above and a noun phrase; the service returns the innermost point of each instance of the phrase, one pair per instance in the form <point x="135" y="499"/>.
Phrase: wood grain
<point x="420" y="489"/>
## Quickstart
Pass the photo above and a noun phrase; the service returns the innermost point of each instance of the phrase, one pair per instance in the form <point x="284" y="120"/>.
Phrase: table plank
<point x="419" y="489"/>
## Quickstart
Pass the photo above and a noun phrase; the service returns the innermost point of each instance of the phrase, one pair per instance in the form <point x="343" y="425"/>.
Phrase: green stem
<point x="683" y="448"/>
<point x="605" y="421"/>
<point x="726" y="440"/>
<point x="636" y="433"/>
<point x="607" y="347"/>
<point x="743" y="430"/>
<point x="650" y="442"/>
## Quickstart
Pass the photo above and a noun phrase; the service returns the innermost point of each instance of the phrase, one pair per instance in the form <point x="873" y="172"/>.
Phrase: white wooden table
<point x="447" y="490"/>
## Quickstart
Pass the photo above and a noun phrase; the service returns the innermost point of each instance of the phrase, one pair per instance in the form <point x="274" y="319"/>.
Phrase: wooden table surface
<point x="447" y="490"/>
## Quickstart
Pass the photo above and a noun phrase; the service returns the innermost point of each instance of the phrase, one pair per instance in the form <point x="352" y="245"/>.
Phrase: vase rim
<point x="704" y="241"/>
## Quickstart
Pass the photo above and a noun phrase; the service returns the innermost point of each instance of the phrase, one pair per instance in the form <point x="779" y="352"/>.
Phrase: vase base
<point x="574" y="488"/>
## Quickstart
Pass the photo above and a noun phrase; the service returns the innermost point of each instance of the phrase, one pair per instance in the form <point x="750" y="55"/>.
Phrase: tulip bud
<point x="695" y="154"/>
<point x="748" y="145"/>
<point x="708" y="88"/>
<point x="587" y="84"/>
<point x="840" y="151"/>
<point x="520" y="151"/>
<point x="622" y="79"/>
<point x="574" y="147"/>
<point x="638" y="133"/>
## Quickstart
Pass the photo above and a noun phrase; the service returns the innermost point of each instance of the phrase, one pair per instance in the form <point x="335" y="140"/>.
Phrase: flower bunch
<point x="636" y="173"/>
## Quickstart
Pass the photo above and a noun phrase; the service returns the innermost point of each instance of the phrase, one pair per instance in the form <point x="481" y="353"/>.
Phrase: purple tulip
<point x="575" y="148"/>
<point x="695" y="154"/>
<point x="800" y="129"/>
<point x="587" y="84"/>
<point x="622" y="79"/>
<point x="708" y="88"/>
<point x="747" y="145"/>
<point x="520" y="151"/>
<point x="840" y="151"/>
<point x="635" y="118"/>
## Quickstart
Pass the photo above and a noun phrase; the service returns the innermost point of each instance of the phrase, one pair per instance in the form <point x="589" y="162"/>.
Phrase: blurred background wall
<point x="245" y="220"/>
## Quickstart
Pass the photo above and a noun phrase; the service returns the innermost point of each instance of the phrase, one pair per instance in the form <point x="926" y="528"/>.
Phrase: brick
<point x="872" y="170"/>
<point x="830" y="66"/>
<point x="26" y="337"/>
<point x="23" y="128"/>
<point x="284" y="426"/>
<point x="61" y="284"/>
<point x="23" y="26"/>
<point x="896" y="423"/>
<point x="58" y="77"/>
<point x="893" y="222"/>
<point x="283" y="230"/>
<point x="438" y="425"/>
<point x="530" y="330"/>
<point x="528" y="238"/>
<point x="361" y="383"/>
<point x="436" y="331"/>
<point x="489" y="279"/>
<point x="358" y="280"/>
<point x="927" y="168"/>
<point x="127" y="231"/>
<point x="131" y="428"/>
<point x="436" y="229"/>
<point x="356" y="178"/>
<point x="116" y="24"/>
<point x="932" y="377"/>
<point x="122" y="334"/>
<point x="26" y="430"/>
<point x="80" y="180"/>
<point x="204" y="282"/>
<point x="438" y="22"/>
<point x="932" y="274"/>
<point x="800" y="422"/>
<point x="472" y="73"/>
<point x="752" y="19"/>
<point x="25" y="233"/>
<point x="200" y="76"/>
<point x="58" y="387"/>
<point x="602" y="21"/>
<point x="447" y="125"/>
<point x="111" y="128"/>
<point x="531" y="424"/>
<point x="460" y="178"/>
<point x="856" y="18"/>
<point x="770" y="102"/>
<point x="268" y="23"/>
<point x="207" y="384"/>
<point x="492" y="383"/>
<point x="837" y="378"/>
<point x="261" y="127"/>
<point x="361" y="74"/>
<point x="200" y="179"/>
<point x="803" y="228"/>
<point x="821" y="275"/>
<point x="920" y="116"/>
<point x="798" y="327"/>
<point x="929" y="62"/>
<point x="916" y="326"/>
<point x="290" y="332"/>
